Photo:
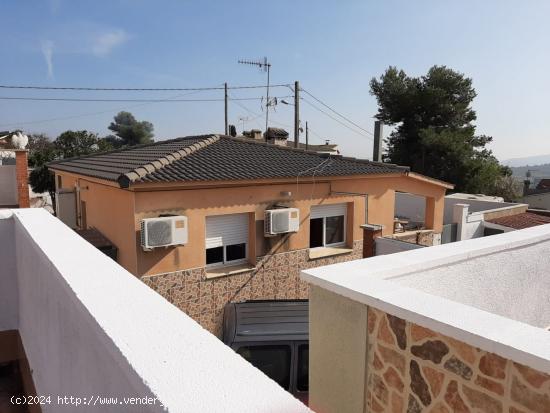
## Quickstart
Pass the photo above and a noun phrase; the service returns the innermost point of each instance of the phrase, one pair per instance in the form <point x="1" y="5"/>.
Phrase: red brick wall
<point x="21" y="165"/>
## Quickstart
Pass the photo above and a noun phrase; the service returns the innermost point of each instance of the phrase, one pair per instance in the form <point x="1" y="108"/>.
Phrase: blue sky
<point x="332" y="47"/>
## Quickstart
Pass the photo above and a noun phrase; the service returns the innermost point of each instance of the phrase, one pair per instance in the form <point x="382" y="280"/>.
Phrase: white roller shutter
<point x="321" y="211"/>
<point x="226" y="230"/>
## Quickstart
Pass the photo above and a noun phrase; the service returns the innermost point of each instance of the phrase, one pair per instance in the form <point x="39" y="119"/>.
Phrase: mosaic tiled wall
<point x="275" y="277"/>
<point x="412" y="369"/>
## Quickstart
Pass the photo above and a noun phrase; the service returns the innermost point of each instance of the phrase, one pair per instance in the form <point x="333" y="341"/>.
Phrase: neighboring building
<point x="327" y="147"/>
<point x="223" y="186"/>
<point x="85" y="335"/>
<point x="465" y="216"/>
<point x="537" y="199"/>
<point x="524" y="220"/>
<point x="279" y="136"/>
<point x="14" y="186"/>
<point x="460" y="327"/>
<point x="544" y="183"/>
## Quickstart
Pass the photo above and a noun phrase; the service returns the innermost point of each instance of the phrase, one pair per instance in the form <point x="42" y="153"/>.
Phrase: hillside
<point x="537" y="160"/>
<point x="536" y="170"/>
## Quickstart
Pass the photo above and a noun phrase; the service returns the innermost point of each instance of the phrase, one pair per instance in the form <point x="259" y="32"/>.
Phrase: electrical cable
<point x="337" y="113"/>
<point x="137" y="89"/>
<point x="122" y="100"/>
<point x="335" y="119"/>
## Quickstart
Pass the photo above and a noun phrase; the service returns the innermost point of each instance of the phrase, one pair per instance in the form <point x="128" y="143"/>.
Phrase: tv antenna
<point x="265" y="66"/>
<point x="243" y="119"/>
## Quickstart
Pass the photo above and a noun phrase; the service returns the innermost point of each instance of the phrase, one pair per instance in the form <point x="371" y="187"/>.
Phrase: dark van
<point x="274" y="337"/>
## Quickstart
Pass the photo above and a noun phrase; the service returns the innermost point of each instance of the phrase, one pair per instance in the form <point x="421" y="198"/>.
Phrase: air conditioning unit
<point x="281" y="221"/>
<point x="163" y="232"/>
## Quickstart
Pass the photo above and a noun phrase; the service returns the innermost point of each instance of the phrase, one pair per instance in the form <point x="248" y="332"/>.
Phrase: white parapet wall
<point x="92" y="330"/>
<point x="386" y="246"/>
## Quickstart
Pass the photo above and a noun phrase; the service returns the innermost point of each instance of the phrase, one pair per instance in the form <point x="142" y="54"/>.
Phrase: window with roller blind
<point x="327" y="225"/>
<point x="226" y="239"/>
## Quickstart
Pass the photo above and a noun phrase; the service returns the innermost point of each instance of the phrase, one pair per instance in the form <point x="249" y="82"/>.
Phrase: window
<point x="273" y="360"/>
<point x="226" y="239"/>
<point x="59" y="182"/>
<point x="302" y="368"/>
<point x="327" y="225"/>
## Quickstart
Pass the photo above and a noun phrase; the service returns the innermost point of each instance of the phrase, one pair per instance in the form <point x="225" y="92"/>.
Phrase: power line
<point x="335" y="119"/>
<point x="137" y="89"/>
<point x="82" y="115"/>
<point x="258" y="115"/>
<point x="339" y="114"/>
<point x="123" y="100"/>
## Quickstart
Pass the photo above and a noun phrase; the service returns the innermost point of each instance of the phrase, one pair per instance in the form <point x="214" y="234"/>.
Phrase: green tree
<point x="76" y="143"/>
<point x="434" y="133"/>
<point x="41" y="149"/>
<point x="130" y="131"/>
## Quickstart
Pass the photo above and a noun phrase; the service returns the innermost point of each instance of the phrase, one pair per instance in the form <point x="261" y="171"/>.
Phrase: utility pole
<point x="296" y="113"/>
<point x="226" y="118"/>
<point x="307" y="137"/>
<point x="266" y="66"/>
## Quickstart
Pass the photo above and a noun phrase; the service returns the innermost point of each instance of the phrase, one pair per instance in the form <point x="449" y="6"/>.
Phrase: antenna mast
<point x="265" y="66"/>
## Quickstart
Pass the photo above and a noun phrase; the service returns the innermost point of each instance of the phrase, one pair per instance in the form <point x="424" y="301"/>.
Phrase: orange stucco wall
<point x="381" y="198"/>
<point x="117" y="212"/>
<point x="197" y="204"/>
<point x="108" y="209"/>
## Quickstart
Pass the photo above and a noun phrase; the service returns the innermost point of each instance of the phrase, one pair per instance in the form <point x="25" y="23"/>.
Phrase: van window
<point x="302" y="376"/>
<point x="273" y="360"/>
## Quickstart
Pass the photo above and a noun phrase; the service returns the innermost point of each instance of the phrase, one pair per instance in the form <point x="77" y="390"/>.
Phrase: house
<point x="460" y="327"/>
<point x="528" y="219"/>
<point x="223" y="188"/>
<point x="544" y="183"/>
<point x="13" y="173"/>
<point x="465" y="216"/>
<point x="280" y="136"/>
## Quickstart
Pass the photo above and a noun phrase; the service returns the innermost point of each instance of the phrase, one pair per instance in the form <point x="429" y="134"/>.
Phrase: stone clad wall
<point x="413" y="369"/>
<point x="275" y="277"/>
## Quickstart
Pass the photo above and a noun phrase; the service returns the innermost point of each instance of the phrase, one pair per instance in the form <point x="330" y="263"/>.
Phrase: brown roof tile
<point x="521" y="221"/>
<point x="212" y="157"/>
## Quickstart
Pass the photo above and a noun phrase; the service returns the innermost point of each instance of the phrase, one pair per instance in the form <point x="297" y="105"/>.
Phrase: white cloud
<point x="105" y="42"/>
<point x="47" y="51"/>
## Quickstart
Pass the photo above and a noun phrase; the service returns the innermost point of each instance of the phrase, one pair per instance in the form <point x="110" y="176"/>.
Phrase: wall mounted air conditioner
<point x="281" y="221"/>
<point x="163" y="232"/>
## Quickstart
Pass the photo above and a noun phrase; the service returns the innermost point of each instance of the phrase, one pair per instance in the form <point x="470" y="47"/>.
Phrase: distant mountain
<point x="536" y="160"/>
<point x="537" y="171"/>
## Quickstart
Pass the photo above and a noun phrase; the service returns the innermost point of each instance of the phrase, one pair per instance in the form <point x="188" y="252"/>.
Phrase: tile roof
<point x="213" y="157"/>
<point x="544" y="183"/>
<point x="521" y="221"/>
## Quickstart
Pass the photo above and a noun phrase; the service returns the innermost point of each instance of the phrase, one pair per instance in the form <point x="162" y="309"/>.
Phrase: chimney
<point x="21" y="174"/>
<point x="256" y="134"/>
<point x="277" y="136"/>
<point x="377" y="149"/>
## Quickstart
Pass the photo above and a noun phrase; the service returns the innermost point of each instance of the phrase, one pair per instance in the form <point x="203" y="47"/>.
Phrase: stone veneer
<point x="274" y="277"/>
<point x="413" y="369"/>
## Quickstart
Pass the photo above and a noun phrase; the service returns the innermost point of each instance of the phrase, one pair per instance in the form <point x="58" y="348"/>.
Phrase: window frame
<point x="224" y="246"/>
<point x="324" y="217"/>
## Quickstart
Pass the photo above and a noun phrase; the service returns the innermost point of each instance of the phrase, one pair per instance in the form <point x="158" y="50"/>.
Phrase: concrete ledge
<point x="323" y="252"/>
<point x="227" y="271"/>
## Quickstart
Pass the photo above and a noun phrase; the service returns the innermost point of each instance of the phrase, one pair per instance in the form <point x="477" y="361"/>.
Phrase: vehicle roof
<point x="266" y="321"/>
